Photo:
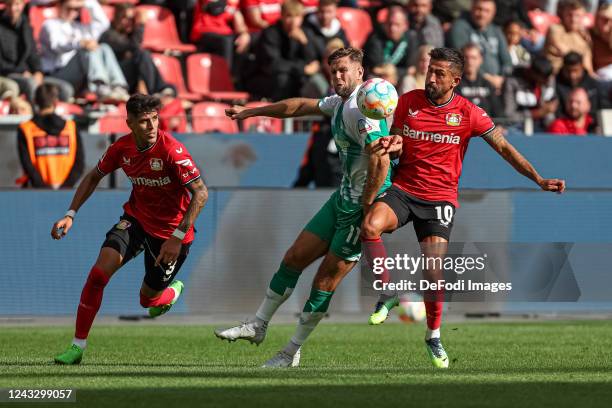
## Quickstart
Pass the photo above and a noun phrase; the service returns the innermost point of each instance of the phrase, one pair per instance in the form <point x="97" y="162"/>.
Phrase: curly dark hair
<point x="139" y="104"/>
<point x="452" y="55"/>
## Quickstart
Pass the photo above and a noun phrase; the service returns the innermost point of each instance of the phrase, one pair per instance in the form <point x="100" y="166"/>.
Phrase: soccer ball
<point x="377" y="98"/>
<point x="411" y="309"/>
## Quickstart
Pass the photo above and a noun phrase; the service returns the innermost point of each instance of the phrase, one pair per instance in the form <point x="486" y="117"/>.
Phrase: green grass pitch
<point x="539" y="364"/>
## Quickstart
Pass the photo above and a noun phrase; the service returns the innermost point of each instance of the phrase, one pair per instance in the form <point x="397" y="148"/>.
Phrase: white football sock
<point x="82" y="343"/>
<point x="270" y="305"/>
<point x="432" y="333"/>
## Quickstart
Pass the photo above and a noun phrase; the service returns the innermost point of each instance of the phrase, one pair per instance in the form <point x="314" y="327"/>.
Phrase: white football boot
<point x="248" y="330"/>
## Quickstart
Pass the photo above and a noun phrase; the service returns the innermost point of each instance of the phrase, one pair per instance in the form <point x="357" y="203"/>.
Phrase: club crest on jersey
<point x="364" y="126"/>
<point x="453" y="119"/>
<point x="156" y="164"/>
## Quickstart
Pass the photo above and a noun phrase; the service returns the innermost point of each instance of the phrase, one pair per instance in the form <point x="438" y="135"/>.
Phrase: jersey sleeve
<point x="109" y="161"/>
<point x="400" y="112"/>
<point x="481" y="122"/>
<point x="181" y="164"/>
<point x="329" y="103"/>
<point x="370" y="129"/>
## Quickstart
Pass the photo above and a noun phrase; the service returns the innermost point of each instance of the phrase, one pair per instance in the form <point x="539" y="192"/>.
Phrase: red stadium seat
<point x="109" y="10"/>
<point x="68" y="109"/>
<point x="160" y="33"/>
<point x="588" y="20"/>
<point x="170" y="69"/>
<point x="356" y="24"/>
<point x="261" y="124"/>
<point x="209" y="75"/>
<point x="38" y="14"/>
<point x="542" y="20"/>
<point x="210" y="117"/>
<point x="5" y="107"/>
<point x="114" y="121"/>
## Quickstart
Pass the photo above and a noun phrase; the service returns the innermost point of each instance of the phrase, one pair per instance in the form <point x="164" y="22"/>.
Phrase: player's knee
<point x="98" y="277"/>
<point x="294" y="258"/>
<point x="372" y="227"/>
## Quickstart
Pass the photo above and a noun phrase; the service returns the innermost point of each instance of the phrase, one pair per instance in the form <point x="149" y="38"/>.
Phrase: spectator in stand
<point x="49" y="147"/>
<point x="260" y="14"/>
<point x="570" y="35"/>
<point x="447" y="11"/>
<point x="19" y="58"/>
<point x="416" y="78"/>
<point x="387" y="72"/>
<point x="71" y="52"/>
<point x="530" y="93"/>
<point x="284" y="56"/>
<point x="322" y="26"/>
<point x="473" y="86"/>
<point x="219" y="28"/>
<point x="512" y="10"/>
<point x="601" y="34"/>
<point x="19" y="106"/>
<point x="427" y="27"/>
<point x="125" y="38"/>
<point x="573" y="75"/>
<point x="392" y="43"/>
<point x="578" y="121"/>
<point x="8" y="88"/>
<point x="478" y="28"/>
<point x="518" y="54"/>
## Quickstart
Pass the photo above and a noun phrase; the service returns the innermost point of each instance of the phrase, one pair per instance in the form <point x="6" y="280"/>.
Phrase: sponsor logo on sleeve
<point x="126" y="160"/>
<point x="185" y="163"/>
<point x="364" y="126"/>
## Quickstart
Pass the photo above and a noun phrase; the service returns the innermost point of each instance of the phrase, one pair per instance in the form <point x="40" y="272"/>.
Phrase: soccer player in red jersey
<point x="435" y="125"/>
<point x="167" y="196"/>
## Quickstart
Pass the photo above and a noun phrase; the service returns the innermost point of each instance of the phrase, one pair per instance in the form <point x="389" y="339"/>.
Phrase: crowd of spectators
<point x="517" y="67"/>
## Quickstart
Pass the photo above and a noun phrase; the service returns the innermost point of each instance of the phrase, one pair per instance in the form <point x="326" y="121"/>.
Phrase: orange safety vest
<point x="52" y="155"/>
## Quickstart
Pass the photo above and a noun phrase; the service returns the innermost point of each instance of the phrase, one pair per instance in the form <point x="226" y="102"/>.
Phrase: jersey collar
<point x="442" y="105"/>
<point x="146" y="149"/>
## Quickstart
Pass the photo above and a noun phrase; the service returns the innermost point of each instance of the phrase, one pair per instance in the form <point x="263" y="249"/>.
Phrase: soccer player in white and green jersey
<point x="334" y="232"/>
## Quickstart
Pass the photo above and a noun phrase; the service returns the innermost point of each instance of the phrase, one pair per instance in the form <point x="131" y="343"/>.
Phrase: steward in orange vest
<point x="50" y="148"/>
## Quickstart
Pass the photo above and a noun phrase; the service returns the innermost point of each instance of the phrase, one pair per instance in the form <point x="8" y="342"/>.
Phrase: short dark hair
<point x="572" y="58"/>
<point x="139" y="104"/>
<point x="120" y="10"/>
<point x="569" y="5"/>
<point x="354" y="54"/>
<point x="46" y="96"/>
<point x="542" y="66"/>
<point x="323" y="3"/>
<point x="471" y="46"/>
<point x="451" y="55"/>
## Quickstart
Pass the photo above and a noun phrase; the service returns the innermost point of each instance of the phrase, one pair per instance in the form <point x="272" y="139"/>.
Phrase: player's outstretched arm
<point x="286" y="108"/>
<point x="86" y="187"/>
<point x="378" y="167"/>
<point x="498" y="142"/>
<point x="170" y="250"/>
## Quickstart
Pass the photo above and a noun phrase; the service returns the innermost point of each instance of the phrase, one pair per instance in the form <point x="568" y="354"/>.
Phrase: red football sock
<point x="375" y="248"/>
<point x="91" y="299"/>
<point x="164" y="299"/>
<point x="434" y="303"/>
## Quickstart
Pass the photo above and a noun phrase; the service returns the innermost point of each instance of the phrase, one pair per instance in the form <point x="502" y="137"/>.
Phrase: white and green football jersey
<point x="352" y="132"/>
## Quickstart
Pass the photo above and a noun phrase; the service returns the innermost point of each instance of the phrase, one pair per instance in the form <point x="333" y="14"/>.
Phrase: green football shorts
<point x="339" y="223"/>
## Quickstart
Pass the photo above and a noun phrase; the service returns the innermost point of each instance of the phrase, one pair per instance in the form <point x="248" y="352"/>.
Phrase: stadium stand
<point x="210" y="117"/>
<point x="356" y="24"/>
<point x="209" y="75"/>
<point x="170" y="69"/>
<point x="160" y="32"/>
<point x="261" y="124"/>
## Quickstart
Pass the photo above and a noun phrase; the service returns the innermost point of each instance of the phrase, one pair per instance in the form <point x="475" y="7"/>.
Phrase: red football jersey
<point x="159" y="175"/>
<point x="435" y="139"/>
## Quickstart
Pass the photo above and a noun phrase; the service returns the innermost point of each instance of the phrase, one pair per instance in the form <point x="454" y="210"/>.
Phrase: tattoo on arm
<point x="498" y="142"/>
<point x="199" y="196"/>
<point x="378" y="166"/>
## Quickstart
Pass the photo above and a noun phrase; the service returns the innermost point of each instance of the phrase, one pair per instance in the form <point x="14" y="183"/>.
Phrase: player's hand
<point x="242" y="42"/>
<point x="237" y="112"/>
<point x="556" y="185"/>
<point x="388" y="144"/>
<point x="169" y="252"/>
<point x="61" y="228"/>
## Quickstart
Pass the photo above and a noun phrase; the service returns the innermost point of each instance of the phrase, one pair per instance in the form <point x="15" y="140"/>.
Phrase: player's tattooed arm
<point x="378" y="167"/>
<point x="498" y="142"/>
<point x="199" y="196"/>
<point x="287" y="108"/>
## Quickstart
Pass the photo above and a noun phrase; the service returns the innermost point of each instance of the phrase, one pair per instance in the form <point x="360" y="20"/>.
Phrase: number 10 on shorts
<point x="444" y="214"/>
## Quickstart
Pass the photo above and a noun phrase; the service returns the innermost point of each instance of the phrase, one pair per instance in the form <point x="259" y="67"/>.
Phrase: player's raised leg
<point x="109" y="261"/>
<point x="434" y="247"/>
<point x="305" y="250"/>
<point x="381" y="218"/>
<point x="331" y="272"/>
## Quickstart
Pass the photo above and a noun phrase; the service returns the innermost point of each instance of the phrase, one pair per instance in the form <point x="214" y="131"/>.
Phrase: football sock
<point x="375" y="248"/>
<point x="82" y="343"/>
<point x="165" y="298"/>
<point x="434" y="303"/>
<point x="430" y="334"/>
<point x="281" y="286"/>
<point x="314" y="310"/>
<point x="91" y="299"/>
